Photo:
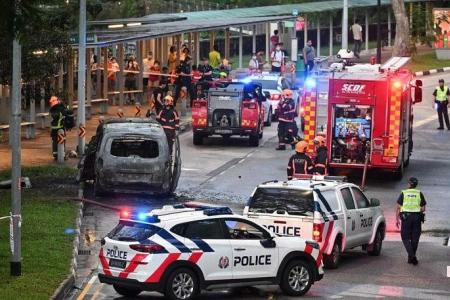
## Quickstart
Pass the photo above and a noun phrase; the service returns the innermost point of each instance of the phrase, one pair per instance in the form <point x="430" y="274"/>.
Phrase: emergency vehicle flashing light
<point x="246" y="80"/>
<point x="275" y="97"/>
<point x="310" y="83"/>
<point x="397" y="84"/>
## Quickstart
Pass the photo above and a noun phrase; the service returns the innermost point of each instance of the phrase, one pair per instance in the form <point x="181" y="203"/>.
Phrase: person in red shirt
<point x="153" y="78"/>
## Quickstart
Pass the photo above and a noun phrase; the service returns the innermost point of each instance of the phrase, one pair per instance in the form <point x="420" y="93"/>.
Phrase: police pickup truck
<point x="334" y="213"/>
<point x="180" y="249"/>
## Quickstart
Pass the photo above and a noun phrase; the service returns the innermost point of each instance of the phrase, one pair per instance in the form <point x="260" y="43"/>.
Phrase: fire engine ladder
<point x="395" y="63"/>
<point x="322" y="101"/>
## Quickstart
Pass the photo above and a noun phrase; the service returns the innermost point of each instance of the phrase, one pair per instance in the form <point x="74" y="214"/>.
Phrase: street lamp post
<point x="345" y="25"/>
<point x="379" y="32"/>
<point x="81" y="116"/>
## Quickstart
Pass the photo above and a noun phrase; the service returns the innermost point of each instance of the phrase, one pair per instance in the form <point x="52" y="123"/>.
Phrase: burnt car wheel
<point x="198" y="139"/>
<point x="268" y="122"/>
<point x="254" y="140"/>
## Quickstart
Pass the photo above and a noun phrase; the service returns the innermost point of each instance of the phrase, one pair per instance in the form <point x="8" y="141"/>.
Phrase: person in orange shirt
<point x="172" y="60"/>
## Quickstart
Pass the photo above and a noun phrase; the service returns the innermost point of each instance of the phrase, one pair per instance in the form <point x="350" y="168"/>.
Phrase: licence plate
<point x="117" y="263"/>
<point x="223" y="131"/>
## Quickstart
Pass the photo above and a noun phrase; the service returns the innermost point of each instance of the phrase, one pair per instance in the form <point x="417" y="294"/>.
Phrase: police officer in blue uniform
<point x="410" y="210"/>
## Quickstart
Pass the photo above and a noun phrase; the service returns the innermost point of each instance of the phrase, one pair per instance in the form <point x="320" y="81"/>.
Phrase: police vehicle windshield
<point x="280" y="200"/>
<point x="267" y="84"/>
<point x="132" y="231"/>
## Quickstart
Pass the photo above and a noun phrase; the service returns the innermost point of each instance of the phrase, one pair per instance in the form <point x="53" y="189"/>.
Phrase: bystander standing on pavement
<point x="153" y="78"/>
<point x="441" y="94"/>
<point x="130" y="77"/>
<point x="214" y="57"/>
<point x="259" y="57"/>
<point x="277" y="59"/>
<point x="253" y="64"/>
<point x="172" y="59"/>
<point x="309" y="53"/>
<point x="58" y="112"/>
<point x="113" y="68"/>
<point x="357" y="37"/>
<point x="274" y="40"/>
<point x="147" y="63"/>
<point x="184" y="78"/>
<point x="410" y="212"/>
<point x="206" y="70"/>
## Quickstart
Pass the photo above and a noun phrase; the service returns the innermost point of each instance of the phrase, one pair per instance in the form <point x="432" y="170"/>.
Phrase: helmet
<point x="413" y="181"/>
<point x="301" y="146"/>
<point x="319" y="140"/>
<point x="169" y="99"/>
<point x="53" y="101"/>
<point x="287" y="93"/>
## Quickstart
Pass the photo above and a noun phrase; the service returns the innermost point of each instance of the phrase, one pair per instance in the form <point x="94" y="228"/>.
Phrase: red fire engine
<point x="369" y="115"/>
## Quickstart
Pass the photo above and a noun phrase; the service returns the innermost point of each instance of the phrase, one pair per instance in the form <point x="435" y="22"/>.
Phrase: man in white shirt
<point x="253" y="64"/>
<point x="357" y="37"/>
<point x="147" y="63"/>
<point x="277" y="59"/>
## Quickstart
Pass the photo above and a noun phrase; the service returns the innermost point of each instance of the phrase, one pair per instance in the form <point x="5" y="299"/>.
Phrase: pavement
<point x="38" y="151"/>
<point x="226" y="172"/>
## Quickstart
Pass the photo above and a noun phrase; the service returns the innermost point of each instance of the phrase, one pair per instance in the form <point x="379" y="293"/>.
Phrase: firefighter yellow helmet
<point x="287" y="93"/>
<point x="168" y="99"/>
<point x="319" y="140"/>
<point x="301" y="146"/>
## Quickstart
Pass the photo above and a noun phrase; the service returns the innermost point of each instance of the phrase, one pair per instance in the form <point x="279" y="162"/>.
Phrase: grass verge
<point x="426" y="62"/>
<point x="46" y="248"/>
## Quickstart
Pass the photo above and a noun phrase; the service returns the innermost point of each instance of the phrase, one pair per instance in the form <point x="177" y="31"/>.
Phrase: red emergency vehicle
<point x="369" y="116"/>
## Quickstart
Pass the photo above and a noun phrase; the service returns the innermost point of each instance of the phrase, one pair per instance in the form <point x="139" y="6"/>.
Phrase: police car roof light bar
<point x="217" y="211"/>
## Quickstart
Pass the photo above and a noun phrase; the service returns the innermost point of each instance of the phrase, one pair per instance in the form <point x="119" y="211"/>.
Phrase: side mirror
<point x="418" y="92"/>
<point x="268" y="243"/>
<point x="374" y="202"/>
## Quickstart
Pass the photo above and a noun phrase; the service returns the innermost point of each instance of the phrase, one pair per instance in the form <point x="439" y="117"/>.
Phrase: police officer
<point x="440" y="98"/>
<point x="58" y="112"/>
<point x="410" y="210"/>
<point x="299" y="163"/>
<point x="286" y="122"/>
<point x="169" y="120"/>
<point x="320" y="161"/>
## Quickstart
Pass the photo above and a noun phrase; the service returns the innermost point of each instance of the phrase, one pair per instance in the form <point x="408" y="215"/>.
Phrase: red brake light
<point x="317" y="232"/>
<point x="148" y="248"/>
<point x="124" y="214"/>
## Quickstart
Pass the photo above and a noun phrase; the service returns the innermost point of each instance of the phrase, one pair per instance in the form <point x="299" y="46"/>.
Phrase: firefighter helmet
<point x="301" y="146"/>
<point x="319" y="140"/>
<point x="287" y="93"/>
<point x="168" y="99"/>
<point x="53" y="101"/>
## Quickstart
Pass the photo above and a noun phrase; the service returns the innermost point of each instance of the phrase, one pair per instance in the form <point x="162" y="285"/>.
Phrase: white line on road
<point x="424" y="121"/>
<point x="189" y="169"/>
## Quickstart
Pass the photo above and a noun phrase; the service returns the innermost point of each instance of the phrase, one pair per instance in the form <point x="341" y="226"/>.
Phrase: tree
<point x="402" y="44"/>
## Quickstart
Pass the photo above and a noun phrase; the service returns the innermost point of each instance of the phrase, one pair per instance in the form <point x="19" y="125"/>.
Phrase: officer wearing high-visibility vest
<point x="58" y="112"/>
<point x="410" y="212"/>
<point x="441" y="94"/>
<point x="299" y="163"/>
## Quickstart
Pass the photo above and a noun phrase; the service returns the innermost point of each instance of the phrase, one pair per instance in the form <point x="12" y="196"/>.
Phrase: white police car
<point x="179" y="250"/>
<point x="334" y="213"/>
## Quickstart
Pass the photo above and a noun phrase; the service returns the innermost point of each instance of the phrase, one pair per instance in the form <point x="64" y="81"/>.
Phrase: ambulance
<point x="367" y="115"/>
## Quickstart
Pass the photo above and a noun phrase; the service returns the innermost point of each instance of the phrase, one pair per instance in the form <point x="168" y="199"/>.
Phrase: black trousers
<point x="410" y="233"/>
<point x="442" y="112"/>
<point x="286" y="132"/>
<point x="357" y="47"/>
<point x="170" y="134"/>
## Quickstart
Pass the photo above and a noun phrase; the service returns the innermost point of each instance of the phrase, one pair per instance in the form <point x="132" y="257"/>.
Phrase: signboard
<point x="295" y="12"/>
<point x="90" y="38"/>
<point x="441" y="27"/>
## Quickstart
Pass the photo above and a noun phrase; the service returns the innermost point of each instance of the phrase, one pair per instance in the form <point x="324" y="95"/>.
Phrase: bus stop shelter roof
<point x="161" y="25"/>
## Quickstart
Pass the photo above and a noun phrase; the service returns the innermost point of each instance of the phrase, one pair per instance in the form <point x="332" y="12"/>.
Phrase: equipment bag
<point x="69" y="120"/>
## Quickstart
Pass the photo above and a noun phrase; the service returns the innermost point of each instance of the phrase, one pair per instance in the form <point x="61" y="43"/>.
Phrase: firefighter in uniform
<point x="441" y="94"/>
<point x="410" y="210"/>
<point x="320" y="161"/>
<point x="299" y="163"/>
<point x="286" y="122"/>
<point x="58" y="112"/>
<point x="169" y="120"/>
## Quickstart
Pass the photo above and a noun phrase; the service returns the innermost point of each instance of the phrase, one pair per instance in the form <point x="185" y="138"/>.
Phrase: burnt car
<point x="131" y="156"/>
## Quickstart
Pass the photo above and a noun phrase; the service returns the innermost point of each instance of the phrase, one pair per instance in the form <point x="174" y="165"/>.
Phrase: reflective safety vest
<point x="411" y="200"/>
<point x="441" y="95"/>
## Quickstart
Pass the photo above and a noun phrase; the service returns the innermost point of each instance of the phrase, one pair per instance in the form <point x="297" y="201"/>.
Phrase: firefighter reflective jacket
<point x="168" y="118"/>
<point x="286" y="110"/>
<point x="58" y="112"/>
<point x="299" y="164"/>
<point x="441" y="95"/>
<point x="320" y="162"/>
<point x="411" y="200"/>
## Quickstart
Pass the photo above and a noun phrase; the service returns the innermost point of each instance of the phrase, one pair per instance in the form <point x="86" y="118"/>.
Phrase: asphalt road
<point x="227" y="172"/>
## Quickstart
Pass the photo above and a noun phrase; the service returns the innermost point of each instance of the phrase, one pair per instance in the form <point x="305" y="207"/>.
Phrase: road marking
<point x="424" y="121"/>
<point x="189" y="169"/>
<point x="97" y="291"/>
<point x="87" y="288"/>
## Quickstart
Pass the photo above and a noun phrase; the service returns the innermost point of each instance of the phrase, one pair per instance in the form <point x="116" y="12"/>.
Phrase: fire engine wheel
<point x="98" y="191"/>
<point x="198" y="139"/>
<point x="297" y="278"/>
<point x="126" y="291"/>
<point x="332" y="261"/>
<point x="268" y="122"/>
<point x="254" y="140"/>
<point x="398" y="174"/>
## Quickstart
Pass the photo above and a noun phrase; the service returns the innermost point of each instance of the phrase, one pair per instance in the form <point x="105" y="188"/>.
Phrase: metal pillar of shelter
<point x="305" y="31"/>
<point x="366" y="34"/>
<point x="240" y="47"/>
<point x="318" y="37"/>
<point x="105" y="73"/>
<point x="140" y="58"/>
<point x="121" y="76"/>
<point x="345" y="25"/>
<point x="227" y="43"/>
<point x="331" y="36"/>
<point x="267" y="41"/>
<point x="197" y="47"/>
<point x="88" y="78"/>
<point x="70" y="78"/>
<point x="254" y="39"/>
<point x="390" y="27"/>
